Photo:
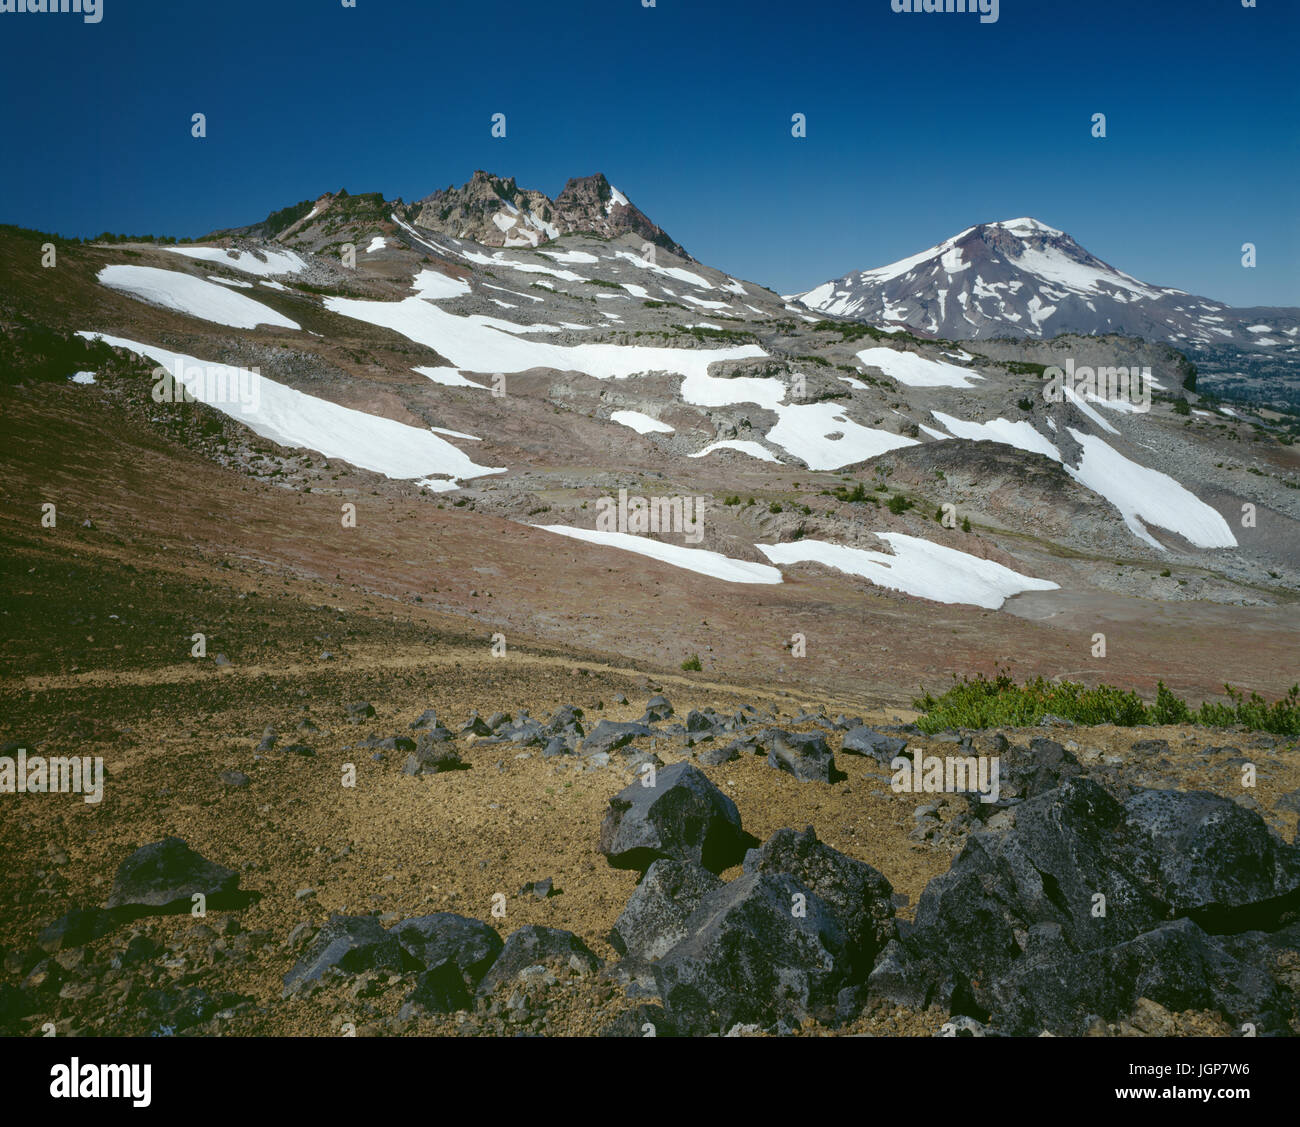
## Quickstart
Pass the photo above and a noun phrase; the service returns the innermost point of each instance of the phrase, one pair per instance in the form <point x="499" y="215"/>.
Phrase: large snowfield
<point x="293" y="418"/>
<point x="917" y="567"/>
<point x="187" y="294"/>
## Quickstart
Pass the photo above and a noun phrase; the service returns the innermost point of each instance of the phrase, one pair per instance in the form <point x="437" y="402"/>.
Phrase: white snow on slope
<point x="753" y="449"/>
<point x="677" y="272"/>
<point x="292" y="418"/>
<point x="187" y="294"/>
<point x="641" y="423"/>
<point x="233" y="282"/>
<point x="1142" y="495"/>
<point x="434" y="286"/>
<point x="1146" y="495"/>
<point x="805" y="429"/>
<point x="699" y="560"/>
<point x="914" y="370"/>
<point x="376" y="244"/>
<point x="82" y="377"/>
<point x="485" y="344"/>
<point x="449" y="377"/>
<point x="571" y="257"/>
<point x="917" y="567"/>
<point x="276" y="261"/>
<point x="488" y="345"/>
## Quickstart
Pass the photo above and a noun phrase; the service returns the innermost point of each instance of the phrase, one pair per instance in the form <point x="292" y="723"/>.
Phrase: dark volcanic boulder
<point x="439" y="990"/>
<point x="533" y="945"/>
<point x="469" y="945"/>
<point x="642" y="1021"/>
<point x="1087" y="886"/>
<point x="434" y="753"/>
<point x="806" y="756"/>
<point x="1176" y="964"/>
<point x="869" y="742"/>
<point x="352" y="944"/>
<point x="860" y="896"/>
<point x="165" y="875"/>
<point x="683" y="816"/>
<point x="654" y="919"/>
<point x="610" y="735"/>
<point x="759" y="949"/>
<point x="76" y="929"/>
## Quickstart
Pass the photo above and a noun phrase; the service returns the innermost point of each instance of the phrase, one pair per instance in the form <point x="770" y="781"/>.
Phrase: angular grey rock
<point x="867" y="741"/>
<point x="352" y="944"/>
<point x="654" y="919"/>
<point x="806" y="756"/>
<point x="165" y="875"/>
<point x="470" y="945"/>
<point x="434" y="753"/>
<point x="610" y="735"/>
<point x="75" y="929"/>
<point x="683" y="816"/>
<point x="759" y="949"/>
<point x="532" y="945"/>
<point x="859" y="895"/>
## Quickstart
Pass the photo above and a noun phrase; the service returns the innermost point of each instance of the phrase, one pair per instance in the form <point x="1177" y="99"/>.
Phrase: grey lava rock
<point x="759" y="949"/>
<point x="654" y="919"/>
<point x="610" y="735"/>
<point x="165" y="875"/>
<point x="533" y="945"/>
<point x="683" y="816"/>
<point x="867" y="741"/>
<point x="805" y="756"/>
<point x="75" y="929"/>
<point x="860" y="896"/>
<point x="470" y="945"/>
<point x="351" y="944"/>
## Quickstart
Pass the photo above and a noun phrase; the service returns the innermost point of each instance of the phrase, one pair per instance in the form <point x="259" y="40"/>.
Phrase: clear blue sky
<point x="918" y="124"/>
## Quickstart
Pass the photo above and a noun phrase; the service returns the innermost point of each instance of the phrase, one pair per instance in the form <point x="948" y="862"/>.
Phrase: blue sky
<point x="918" y="124"/>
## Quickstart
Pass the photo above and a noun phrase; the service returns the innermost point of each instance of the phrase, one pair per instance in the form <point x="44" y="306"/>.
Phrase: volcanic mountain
<point x="1022" y="278"/>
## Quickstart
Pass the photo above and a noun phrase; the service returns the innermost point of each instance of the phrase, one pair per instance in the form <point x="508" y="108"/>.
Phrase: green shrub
<point x="999" y="702"/>
<point x="692" y="664"/>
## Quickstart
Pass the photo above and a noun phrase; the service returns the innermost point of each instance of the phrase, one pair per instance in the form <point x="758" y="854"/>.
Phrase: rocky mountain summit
<point x="1021" y="278"/>
<point x="496" y="212"/>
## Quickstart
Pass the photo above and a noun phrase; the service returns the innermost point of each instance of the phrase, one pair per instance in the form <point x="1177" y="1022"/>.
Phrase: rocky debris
<point x="351" y="944"/>
<point x="683" y="816"/>
<point x="475" y="726"/>
<point x="759" y="949"/>
<point x="234" y="778"/>
<point x="867" y="741"/>
<point x="697" y="722"/>
<point x="657" y="708"/>
<point x="532" y="946"/>
<point x="806" y="756"/>
<point x="434" y="753"/>
<point x="445" y="940"/>
<point x="1015" y="929"/>
<point x="565" y="721"/>
<point x="542" y="889"/>
<point x="427" y="719"/>
<point x="654" y="919"/>
<point x="359" y="710"/>
<point x="719" y="754"/>
<point x="642" y="1021"/>
<point x="268" y="740"/>
<point x="165" y="875"/>
<point x="76" y="928"/>
<point x="610" y="735"/>
<point x="1028" y="772"/>
<point x="860" y="896"/>
<point x="305" y="750"/>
